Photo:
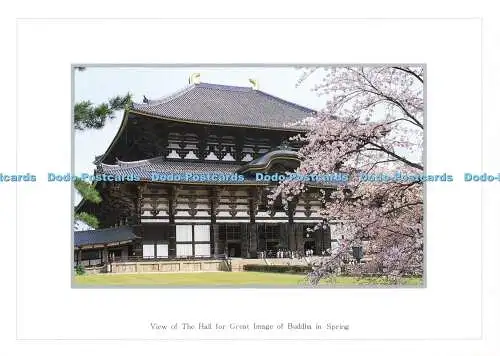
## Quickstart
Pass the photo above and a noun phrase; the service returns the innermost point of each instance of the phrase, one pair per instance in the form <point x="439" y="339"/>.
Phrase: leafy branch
<point x="90" y="116"/>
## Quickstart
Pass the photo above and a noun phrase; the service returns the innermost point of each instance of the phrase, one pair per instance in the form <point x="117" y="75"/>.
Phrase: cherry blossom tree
<point x="371" y="129"/>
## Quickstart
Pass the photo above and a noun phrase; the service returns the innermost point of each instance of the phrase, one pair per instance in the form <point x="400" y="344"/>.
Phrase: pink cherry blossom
<point x="373" y="123"/>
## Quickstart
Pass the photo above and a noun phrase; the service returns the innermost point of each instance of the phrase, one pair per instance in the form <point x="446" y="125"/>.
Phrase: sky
<point x="98" y="84"/>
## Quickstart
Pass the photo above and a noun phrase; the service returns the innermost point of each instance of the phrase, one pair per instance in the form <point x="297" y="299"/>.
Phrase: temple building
<point x="195" y="156"/>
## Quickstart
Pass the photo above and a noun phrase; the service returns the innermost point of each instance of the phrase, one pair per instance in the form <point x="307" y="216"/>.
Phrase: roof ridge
<point x="167" y="98"/>
<point x="106" y="228"/>
<point x="164" y="99"/>
<point x="312" y="111"/>
<point x="223" y="87"/>
<point x="176" y="94"/>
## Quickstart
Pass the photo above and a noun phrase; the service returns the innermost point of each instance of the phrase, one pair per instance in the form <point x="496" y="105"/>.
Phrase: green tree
<point x="91" y="116"/>
<point x="89" y="193"/>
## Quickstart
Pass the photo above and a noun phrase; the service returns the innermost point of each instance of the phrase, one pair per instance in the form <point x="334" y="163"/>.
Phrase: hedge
<point x="278" y="269"/>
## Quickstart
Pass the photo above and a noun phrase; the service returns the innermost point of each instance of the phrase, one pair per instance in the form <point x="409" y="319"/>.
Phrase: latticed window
<point x="230" y="231"/>
<point x="269" y="231"/>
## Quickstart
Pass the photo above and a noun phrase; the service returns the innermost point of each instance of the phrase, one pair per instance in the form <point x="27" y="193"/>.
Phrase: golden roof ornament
<point x="194" y="78"/>
<point x="255" y="83"/>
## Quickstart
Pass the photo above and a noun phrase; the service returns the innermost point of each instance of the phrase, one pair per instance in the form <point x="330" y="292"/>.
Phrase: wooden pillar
<point x="193" y="245"/>
<point x="138" y="204"/>
<point x="172" y="246"/>
<point x="212" y="239"/>
<point x="245" y="251"/>
<point x="172" y="205"/>
<point x="105" y="255"/>
<point x="318" y="241"/>
<point x="292" y="242"/>
<point x="252" y="227"/>
<point x="213" y="220"/>
<point x="252" y="234"/>
<point x="79" y="257"/>
<point x="214" y="231"/>
<point x="217" y="243"/>
<point x="299" y="238"/>
<point x="172" y="231"/>
<point x="283" y="235"/>
<point x="325" y="244"/>
<point x="290" y="228"/>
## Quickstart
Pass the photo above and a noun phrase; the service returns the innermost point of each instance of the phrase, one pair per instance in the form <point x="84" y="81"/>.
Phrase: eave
<point x="207" y="123"/>
<point x="115" y="139"/>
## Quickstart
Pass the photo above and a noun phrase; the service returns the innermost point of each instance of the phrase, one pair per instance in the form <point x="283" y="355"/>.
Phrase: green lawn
<point x="217" y="279"/>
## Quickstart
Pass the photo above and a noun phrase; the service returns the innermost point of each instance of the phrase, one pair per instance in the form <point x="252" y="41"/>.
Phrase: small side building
<point x="98" y="247"/>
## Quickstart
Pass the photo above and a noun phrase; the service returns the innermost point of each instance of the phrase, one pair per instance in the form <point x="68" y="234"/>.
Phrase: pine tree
<point x="91" y="116"/>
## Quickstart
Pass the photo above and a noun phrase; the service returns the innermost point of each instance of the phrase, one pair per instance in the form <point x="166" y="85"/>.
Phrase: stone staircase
<point x="238" y="263"/>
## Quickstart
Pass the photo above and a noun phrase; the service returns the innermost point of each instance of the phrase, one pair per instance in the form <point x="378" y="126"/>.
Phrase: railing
<point x="100" y="262"/>
<point x="159" y="259"/>
<point x="89" y="263"/>
<point x="267" y="260"/>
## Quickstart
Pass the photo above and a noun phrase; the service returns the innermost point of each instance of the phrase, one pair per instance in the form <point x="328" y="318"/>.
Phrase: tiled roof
<point x="145" y="169"/>
<point x="264" y="159"/>
<point x="104" y="236"/>
<point x="226" y="105"/>
<point x="175" y="171"/>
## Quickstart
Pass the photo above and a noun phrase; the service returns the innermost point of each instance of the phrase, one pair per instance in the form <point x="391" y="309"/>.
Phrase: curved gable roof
<point x="225" y="105"/>
<point x="266" y="160"/>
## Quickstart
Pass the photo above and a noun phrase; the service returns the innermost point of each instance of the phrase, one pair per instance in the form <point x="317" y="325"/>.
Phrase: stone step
<point x="237" y="264"/>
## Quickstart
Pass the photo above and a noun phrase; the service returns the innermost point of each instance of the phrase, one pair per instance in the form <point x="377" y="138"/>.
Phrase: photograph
<point x="272" y="176"/>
